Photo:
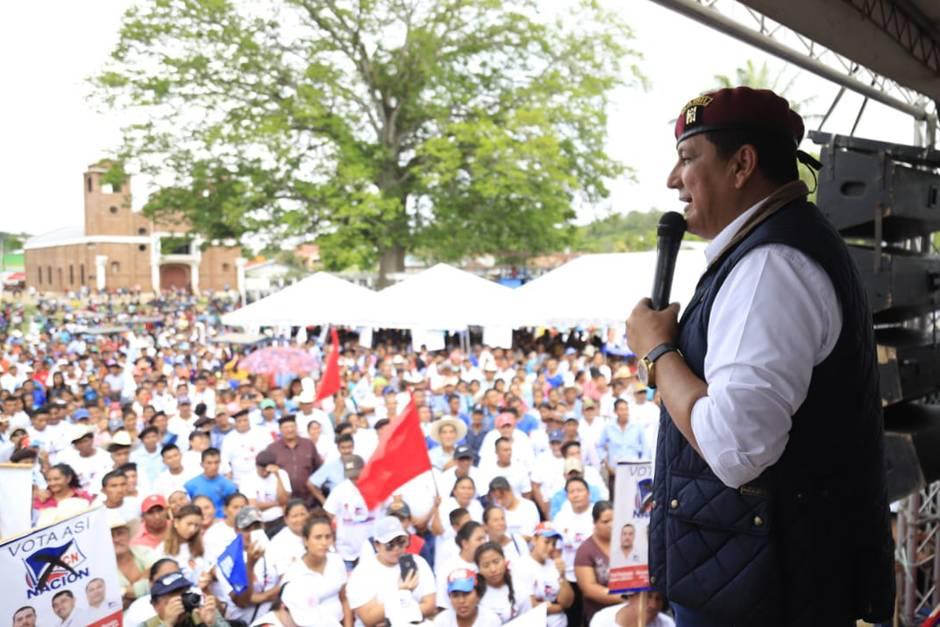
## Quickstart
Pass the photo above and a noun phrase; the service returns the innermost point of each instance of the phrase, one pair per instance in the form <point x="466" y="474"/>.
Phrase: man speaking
<point x="770" y="504"/>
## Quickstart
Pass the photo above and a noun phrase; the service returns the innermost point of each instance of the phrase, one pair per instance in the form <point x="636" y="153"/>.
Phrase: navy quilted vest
<point x="808" y="542"/>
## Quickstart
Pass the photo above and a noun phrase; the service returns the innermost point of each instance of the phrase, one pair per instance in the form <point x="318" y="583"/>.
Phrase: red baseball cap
<point x="739" y="108"/>
<point x="154" y="500"/>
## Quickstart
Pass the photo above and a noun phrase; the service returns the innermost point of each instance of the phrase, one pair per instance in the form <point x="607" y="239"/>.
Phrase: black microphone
<point x="668" y="238"/>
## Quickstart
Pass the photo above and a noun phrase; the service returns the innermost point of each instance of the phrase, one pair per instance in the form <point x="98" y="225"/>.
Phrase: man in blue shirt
<point x="622" y="440"/>
<point x="331" y="473"/>
<point x="210" y="483"/>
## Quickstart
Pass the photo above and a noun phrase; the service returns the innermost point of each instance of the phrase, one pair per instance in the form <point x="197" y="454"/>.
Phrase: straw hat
<point x="435" y="430"/>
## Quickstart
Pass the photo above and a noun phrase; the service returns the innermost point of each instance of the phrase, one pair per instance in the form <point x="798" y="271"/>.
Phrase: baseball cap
<point x="461" y="580"/>
<point x="463" y="452"/>
<point x="499" y="483"/>
<point x="546" y="530"/>
<point x="351" y="464"/>
<point x="267" y="404"/>
<point x="247" y="517"/>
<point x="556" y="435"/>
<point x="121" y="439"/>
<point x="183" y="400"/>
<point x="571" y="418"/>
<point x="573" y="464"/>
<point x="168" y="583"/>
<point x="388" y="528"/>
<point x="265" y="458"/>
<point x="80" y="414"/>
<point x="154" y="500"/>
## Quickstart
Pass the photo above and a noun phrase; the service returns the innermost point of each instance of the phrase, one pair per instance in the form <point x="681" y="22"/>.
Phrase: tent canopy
<point x="602" y="289"/>
<point x="318" y="299"/>
<point x="441" y="298"/>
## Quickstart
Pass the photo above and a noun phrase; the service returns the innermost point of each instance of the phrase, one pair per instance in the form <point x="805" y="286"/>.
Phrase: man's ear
<point x="744" y="165"/>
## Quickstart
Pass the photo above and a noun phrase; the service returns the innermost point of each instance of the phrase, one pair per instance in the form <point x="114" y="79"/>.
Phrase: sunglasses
<point x="397" y="543"/>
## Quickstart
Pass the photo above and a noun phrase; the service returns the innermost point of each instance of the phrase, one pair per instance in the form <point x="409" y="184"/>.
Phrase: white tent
<point x="602" y="289"/>
<point x="441" y="298"/>
<point x="320" y="298"/>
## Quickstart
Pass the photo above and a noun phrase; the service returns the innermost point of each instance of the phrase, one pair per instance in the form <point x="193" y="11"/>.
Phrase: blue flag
<point x="232" y="565"/>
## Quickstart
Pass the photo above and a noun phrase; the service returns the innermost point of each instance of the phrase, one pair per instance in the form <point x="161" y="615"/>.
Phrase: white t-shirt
<point x="549" y="474"/>
<point x="516" y="474"/>
<point x="522" y="449"/>
<point x="575" y="529"/>
<point x="182" y="428"/>
<point x="372" y="579"/>
<point x="216" y="539"/>
<point x="167" y="483"/>
<point x="325" y="586"/>
<point x="354" y="521"/>
<point x="265" y="490"/>
<point x="607" y="617"/>
<point x="239" y="451"/>
<point x="90" y="470"/>
<point x="523" y="519"/>
<point x="285" y="549"/>
<point x="191" y="567"/>
<point x="265" y="579"/>
<point x="546" y="585"/>
<point x="497" y="599"/>
<point x="485" y="618"/>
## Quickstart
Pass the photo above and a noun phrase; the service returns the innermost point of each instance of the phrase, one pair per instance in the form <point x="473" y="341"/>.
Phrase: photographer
<point x="177" y="607"/>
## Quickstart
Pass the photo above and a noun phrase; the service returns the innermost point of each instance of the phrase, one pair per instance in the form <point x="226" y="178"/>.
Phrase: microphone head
<point x="671" y="224"/>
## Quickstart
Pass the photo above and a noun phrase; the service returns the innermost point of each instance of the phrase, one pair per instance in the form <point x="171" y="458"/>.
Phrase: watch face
<point x="642" y="373"/>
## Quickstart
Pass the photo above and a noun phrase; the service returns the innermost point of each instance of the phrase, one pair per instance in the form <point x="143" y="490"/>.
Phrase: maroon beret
<point x="739" y="108"/>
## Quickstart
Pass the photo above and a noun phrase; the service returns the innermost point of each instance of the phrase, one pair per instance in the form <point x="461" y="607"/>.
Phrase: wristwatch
<point x="646" y="372"/>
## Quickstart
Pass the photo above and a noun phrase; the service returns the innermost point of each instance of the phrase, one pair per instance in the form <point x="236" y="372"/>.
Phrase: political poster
<point x="62" y="575"/>
<point x="629" y="542"/>
<point x="16" y="494"/>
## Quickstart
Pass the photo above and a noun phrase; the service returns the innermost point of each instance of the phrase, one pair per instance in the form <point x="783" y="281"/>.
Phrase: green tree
<point x="441" y="127"/>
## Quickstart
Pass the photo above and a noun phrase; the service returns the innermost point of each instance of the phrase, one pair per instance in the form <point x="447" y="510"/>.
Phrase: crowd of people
<point x="138" y="408"/>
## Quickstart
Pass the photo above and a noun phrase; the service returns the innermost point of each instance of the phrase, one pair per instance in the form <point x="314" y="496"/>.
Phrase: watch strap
<point x="659" y="351"/>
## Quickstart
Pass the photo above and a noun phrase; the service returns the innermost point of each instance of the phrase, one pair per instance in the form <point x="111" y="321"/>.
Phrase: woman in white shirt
<point x="464" y="494"/>
<point x="514" y="545"/>
<point x="506" y="594"/>
<point x="546" y="570"/>
<point x="183" y="542"/>
<point x="287" y="545"/>
<point x="463" y="591"/>
<point x="323" y="572"/>
<point x="469" y="537"/>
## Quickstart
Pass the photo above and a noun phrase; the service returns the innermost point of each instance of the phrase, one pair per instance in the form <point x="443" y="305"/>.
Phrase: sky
<point x="50" y="132"/>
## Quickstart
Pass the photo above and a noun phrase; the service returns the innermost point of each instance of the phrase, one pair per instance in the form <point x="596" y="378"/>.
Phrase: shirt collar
<point x="721" y="240"/>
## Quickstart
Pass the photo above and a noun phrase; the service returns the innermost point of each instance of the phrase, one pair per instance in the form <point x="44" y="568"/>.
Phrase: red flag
<point x="329" y="382"/>
<point x="402" y="454"/>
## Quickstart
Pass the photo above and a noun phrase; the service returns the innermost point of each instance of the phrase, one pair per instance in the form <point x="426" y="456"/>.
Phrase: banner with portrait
<point x="62" y="574"/>
<point x="629" y="541"/>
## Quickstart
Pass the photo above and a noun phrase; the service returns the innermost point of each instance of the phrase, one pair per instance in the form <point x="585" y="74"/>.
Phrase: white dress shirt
<point x="774" y="319"/>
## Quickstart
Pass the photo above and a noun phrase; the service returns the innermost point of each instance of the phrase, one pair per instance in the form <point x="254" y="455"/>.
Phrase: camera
<point x="191" y="601"/>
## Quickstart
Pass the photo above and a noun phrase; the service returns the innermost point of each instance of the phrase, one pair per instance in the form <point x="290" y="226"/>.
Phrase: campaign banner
<point x="16" y="494"/>
<point x="629" y="541"/>
<point x="62" y="574"/>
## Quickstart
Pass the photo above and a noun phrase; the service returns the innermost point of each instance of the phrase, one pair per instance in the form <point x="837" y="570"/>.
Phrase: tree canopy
<point x="446" y="128"/>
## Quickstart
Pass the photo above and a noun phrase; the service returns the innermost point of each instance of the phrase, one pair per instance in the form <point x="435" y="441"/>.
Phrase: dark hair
<point x="128" y="467"/>
<point x="456" y="514"/>
<point x="567" y="446"/>
<point x="509" y="410"/>
<point x="168" y="447"/>
<point x="500" y="440"/>
<point x="488" y="511"/>
<point x="67" y="593"/>
<point x="172" y="542"/>
<point x="210" y="452"/>
<point x="342" y="437"/>
<point x="576" y="480"/>
<point x="465" y="531"/>
<point x="114" y="474"/>
<point x="599" y="508"/>
<point x="195" y="433"/>
<point x="24" y="455"/>
<point x="381" y="422"/>
<point x="776" y="152"/>
<point x="507" y="579"/>
<point x="459" y="479"/>
<point x="231" y="497"/>
<point x="291" y="504"/>
<point x="313" y="520"/>
<point x="342" y="426"/>
<point x="69" y="473"/>
<point x="152" y="575"/>
<point x="147" y="431"/>
<point x="619" y="402"/>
